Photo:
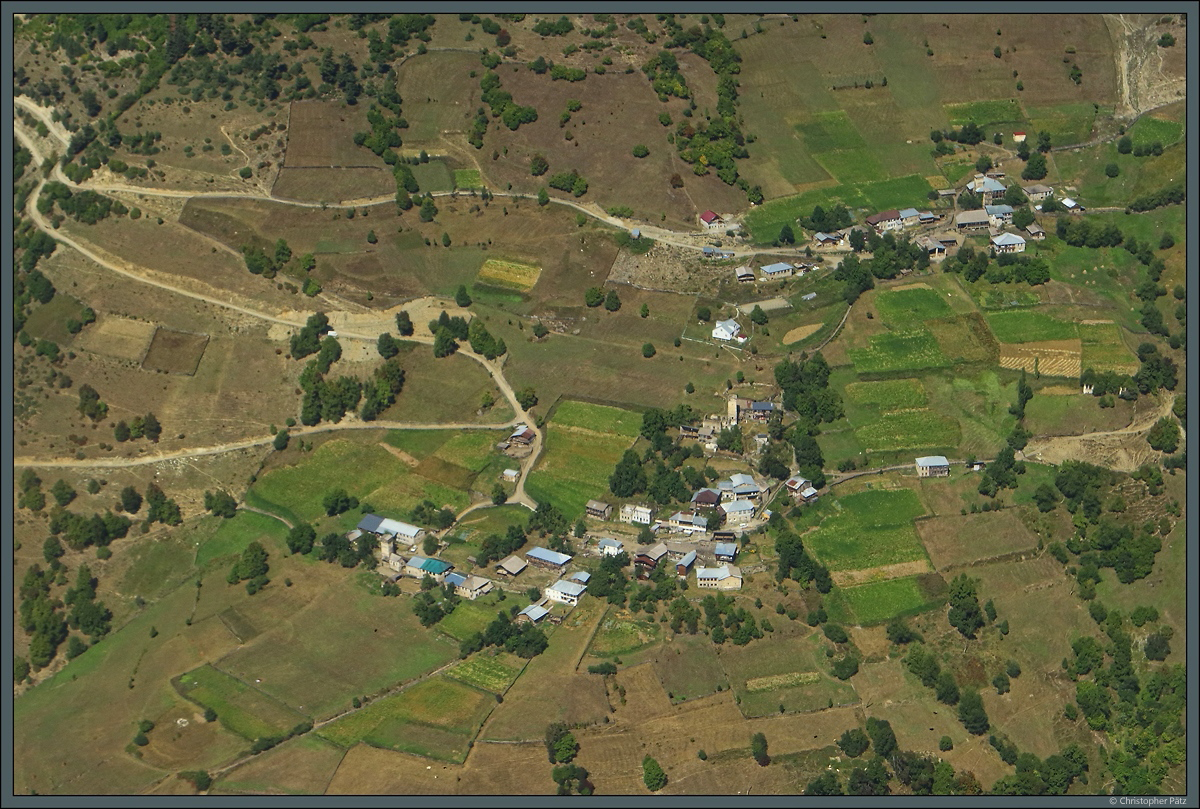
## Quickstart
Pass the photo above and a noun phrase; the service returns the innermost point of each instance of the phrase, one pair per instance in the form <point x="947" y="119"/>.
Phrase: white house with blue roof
<point x="909" y="217"/>
<point x="999" y="215"/>
<point x="566" y="592"/>
<point x="1008" y="243"/>
<point x="779" y="269"/>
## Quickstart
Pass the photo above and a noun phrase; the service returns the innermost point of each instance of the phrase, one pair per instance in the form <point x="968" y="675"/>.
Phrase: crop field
<point x="302" y="659"/>
<point x="1027" y="326"/>
<point x="325" y="184"/>
<point x="578" y="460"/>
<point x="965" y="338"/>
<point x="767" y="674"/>
<point x="984" y="113"/>
<point x="493" y="673"/>
<point x="508" y="274"/>
<point x="1104" y="350"/>
<point x="1067" y="123"/>
<point x="473" y="450"/>
<point x="890" y="394"/>
<point x="1050" y="357"/>
<point x="368" y="472"/>
<point x="435" y="718"/>
<point x="909" y="429"/>
<point x="321" y="133"/>
<point x="872" y="528"/>
<point x="907" y="350"/>
<point x="688" y="668"/>
<point x="299" y="766"/>
<point x="175" y="352"/>
<point x="954" y="541"/>
<point x="911" y="306"/>
<point x="851" y="165"/>
<point x="880" y="601"/>
<point x="621" y="634"/>
<point x="242" y="708"/>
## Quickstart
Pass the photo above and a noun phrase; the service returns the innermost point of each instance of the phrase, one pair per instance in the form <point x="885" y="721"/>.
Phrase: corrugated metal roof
<point x="1005" y="239"/>
<point x="908" y="213"/>
<point x="725" y="549"/>
<point x="610" y="543"/>
<point x="455" y="579"/>
<point x="933" y="460"/>
<point x="581" y="576"/>
<point x="547" y="555"/>
<point x="569" y="588"/>
<point x="688" y="559"/>
<point x="738" y="507"/>
<point x="779" y="266"/>
<point x="370" y="522"/>
<point x="514" y="564"/>
<point x="534" y="612"/>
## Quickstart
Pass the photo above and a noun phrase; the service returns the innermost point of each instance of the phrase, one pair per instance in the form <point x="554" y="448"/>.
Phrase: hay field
<point x="1049" y="357"/>
<point x="1103" y="349"/>
<point x="299" y="766"/>
<point x="327" y="184"/>
<point x="870" y="529"/>
<point x="321" y="133"/>
<point x="954" y="541"/>
<point x="768" y="673"/>
<point x="911" y="349"/>
<point x="175" y="352"/>
<point x="118" y="337"/>
<point x="508" y="274"/>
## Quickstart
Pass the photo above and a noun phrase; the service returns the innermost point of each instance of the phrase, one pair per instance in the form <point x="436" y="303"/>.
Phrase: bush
<point x="1112" y="170"/>
<point x="946" y="744"/>
<point x="246" y="173"/>
<point x="648" y="350"/>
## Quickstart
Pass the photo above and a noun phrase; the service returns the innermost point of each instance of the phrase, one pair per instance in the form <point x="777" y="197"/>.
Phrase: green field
<point x="617" y="637"/>
<point x="1103" y="348"/>
<point x="48" y="321"/>
<point x="919" y="428"/>
<point x="890" y="394"/>
<point x="1148" y="129"/>
<point x="468" y="618"/>
<point x="1029" y="327"/>
<point x="436" y="718"/>
<point x="467" y="178"/>
<point x="471" y="449"/>
<point x="872" y="528"/>
<point x="233" y="535"/>
<point x="903" y="307"/>
<point x="907" y="350"/>
<point x="433" y="176"/>
<point x="984" y="113"/>
<point x="418" y="443"/>
<point x="493" y="673"/>
<point x="581" y="451"/>
<point x="1067" y="123"/>
<point x="830" y="131"/>
<point x="688" y="668"/>
<point x="880" y="601"/>
<point x="242" y="708"/>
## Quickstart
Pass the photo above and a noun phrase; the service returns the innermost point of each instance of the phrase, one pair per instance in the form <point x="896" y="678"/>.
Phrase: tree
<point x="540" y="330"/>
<point x="971" y="713"/>
<point x="867" y="38"/>
<point x="758" y="749"/>
<point x="1164" y="435"/>
<point x="387" y="346"/>
<point x="543" y="197"/>
<point x="1035" y="169"/>
<point x="648" y="350"/>
<point x="428" y="209"/>
<point x="946" y="688"/>
<point x="640" y="151"/>
<point x="538" y="165"/>
<point x="499" y="496"/>
<point x="786" y="235"/>
<point x="1112" y="170"/>
<point x="854" y="742"/>
<point x="371" y="237"/>
<point x="461" y="297"/>
<point x="565" y="748"/>
<point x="444" y="343"/>
<point x="62" y="491"/>
<point x="983" y="164"/>
<point x="758" y="316"/>
<point x="883" y="738"/>
<point x="593" y="297"/>
<point x="652" y="775"/>
<point x="965" y="613"/>
<point x="338" y="502"/>
<point x="220" y="503"/>
<point x="611" y="302"/>
<point x="404" y="324"/>
<point x="1125" y="144"/>
<point x="824" y="784"/>
<point x="131" y="501"/>
<point x="527" y="398"/>
<point x="645" y="310"/>
<point x="121" y="431"/>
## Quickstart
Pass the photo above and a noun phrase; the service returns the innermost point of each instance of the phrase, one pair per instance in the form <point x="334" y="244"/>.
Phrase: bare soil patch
<point x="322" y="134"/>
<point x="800" y="332"/>
<point x="175" y="352"/>
<point x="121" y="338"/>
<point x="1049" y="357"/>
<point x="769" y="305"/>
<point x="849" y="578"/>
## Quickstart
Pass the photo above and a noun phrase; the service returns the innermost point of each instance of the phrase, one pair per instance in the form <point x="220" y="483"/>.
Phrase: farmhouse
<point x="532" y="614"/>
<point x="635" y="514"/>
<point x="739" y="511"/>
<point x="928" y="217"/>
<point x="650" y="559"/>
<point x="758" y="411"/>
<point x="779" y="269"/>
<point x="801" y="490"/>
<point x="599" y="510"/>
<point x="725" y="551"/>
<point x="1018" y="137"/>
<point x="522" y="435"/>
<point x="610" y="547"/>
<point x="683" y="565"/>
<point x="740" y="487"/>
<point x="687" y="521"/>
<point x="989" y="189"/>
<point x="933" y="466"/>
<point x="744" y="274"/>
<point x="1071" y="205"/>
<point x="947" y="240"/>
<point x="469" y="587"/>
<point x="728" y="330"/>
<point x="972" y="220"/>
<point x="551" y="560"/>
<point x="712" y="252"/>
<point x="934" y="248"/>
<point x="1038" y="192"/>
<point x="421" y="566"/>
<point x="909" y="217"/>
<point x="388" y="556"/>
<point x="706" y="498"/>
<point x="381" y="526"/>
<point x="711" y="220"/>
<point x="511" y="566"/>
<point x="1008" y="243"/>
<point x="999" y="215"/>
<point x="511" y="475"/>
<point x="885" y="220"/>
<point x="828" y="239"/>
<point x="565" y="592"/>
<point x="1035" y="232"/>
<point x="725" y="577"/>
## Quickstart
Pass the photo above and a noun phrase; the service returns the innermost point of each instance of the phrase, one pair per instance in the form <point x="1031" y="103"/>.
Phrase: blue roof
<point x="998" y="210"/>
<point x="708" y="251"/>
<point x="455" y="579"/>
<point x="610" y="543"/>
<point x="687" y="559"/>
<point x="581" y="576"/>
<point x="781" y="266"/>
<point x="762" y="406"/>
<point x="725" y="549"/>
<point x="546" y="555"/>
<point x="635" y="233"/>
<point x="370" y="522"/>
<point x="906" y="213"/>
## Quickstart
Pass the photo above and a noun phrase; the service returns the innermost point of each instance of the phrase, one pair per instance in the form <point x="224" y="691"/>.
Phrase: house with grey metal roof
<point x="687" y="521"/>
<point x="725" y="551"/>
<point x="598" y="509"/>
<point x="511" y="566"/>
<point x="682" y="566"/>
<point x="1008" y="243"/>
<point x="998" y="215"/>
<point x="779" y="269"/>
<point x="725" y="577"/>
<point x="565" y="592"/>
<point x="1037" y="192"/>
<point x="610" y="547"/>
<point x="737" y="511"/>
<point x="533" y="613"/>
<point x="972" y="220"/>
<point x="651" y="557"/>
<point x="1035" y="231"/>
<point x="933" y="466"/>
<point x="744" y="274"/>
<point x="544" y="557"/>
<point x="988" y="188"/>
<point x="471" y="587"/>
<point x="581" y="576"/>
<point x="828" y="239"/>
<point x="382" y="526"/>
<point x="909" y="217"/>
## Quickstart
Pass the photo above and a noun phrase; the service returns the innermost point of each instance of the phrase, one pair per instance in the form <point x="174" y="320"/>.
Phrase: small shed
<point x="511" y="566"/>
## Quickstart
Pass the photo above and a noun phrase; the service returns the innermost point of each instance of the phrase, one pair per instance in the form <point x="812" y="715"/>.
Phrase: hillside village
<point x="549" y="404"/>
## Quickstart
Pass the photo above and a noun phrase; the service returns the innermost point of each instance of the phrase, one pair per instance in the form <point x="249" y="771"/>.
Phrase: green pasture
<point x="889" y="394"/>
<point x="907" y="350"/>
<point x="877" y="602"/>
<point x="231" y="536"/>
<point x="688" y="668"/>
<point x="468" y="618"/>
<point x="493" y="673"/>
<point x="920" y="428"/>
<point x="851" y="165"/>
<point x="1148" y="129"/>
<point x="984" y="113"/>
<point x="433" y="176"/>
<point x="153" y="569"/>
<point x="598" y="418"/>
<point x="1067" y="123"/>
<point x="1104" y="349"/>
<point x="48" y="321"/>
<point x="623" y="636"/>
<point x="1001" y="296"/>
<point x="904" y="307"/>
<point x="872" y="528"/>
<point x="830" y="131"/>
<point x="418" y="443"/>
<point x="1027" y="326"/>
<point x="467" y="178"/>
<point x="471" y="449"/>
<point x="245" y="710"/>
<point x="578" y="461"/>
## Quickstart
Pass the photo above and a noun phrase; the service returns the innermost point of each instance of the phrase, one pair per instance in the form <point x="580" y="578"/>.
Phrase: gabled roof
<point x="808" y="492"/>
<point x="610" y="543"/>
<point x="534" y="613"/>
<point x="370" y="522"/>
<point x="738" y="507"/>
<point x="730" y="326"/>
<point x="882" y="216"/>
<point x="434" y="566"/>
<point x="779" y="266"/>
<point x="725" y="549"/>
<point x="764" y="407"/>
<point x="741" y="479"/>
<point x="795" y="482"/>
<point x="933" y="460"/>
<point x="708" y="217"/>
<point x="514" y="565"/>
<point x="828" y="237"/>
<point x="1005" y="239"/>
<point x="597" y="505"/>
<point x="707" y="496"/>
<point x="1069" y="203"/>
<point x="655" y="553"/>
<point x="569" y="588"/>
<point x="455" y="579"/>
<point x="986" y="184"/>
<point x="1033" y="228"/>
<point x="717" y="573"/>
<point x="688" y="559"/>
<point x="908" y="213"/>
<point x="547" y="555"/>
<point x="744" y="271"/>
<point x="970" y="217"/>
<point x="580" y="576"/>
<point x="997" y="210"/>
<point x="688" y="517"/>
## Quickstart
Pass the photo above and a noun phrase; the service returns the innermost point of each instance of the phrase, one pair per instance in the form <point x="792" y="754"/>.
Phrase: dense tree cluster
<point x="251" y="567"/>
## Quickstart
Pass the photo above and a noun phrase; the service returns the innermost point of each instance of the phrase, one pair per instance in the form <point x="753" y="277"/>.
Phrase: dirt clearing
<point x="801" y="332"/>
<point x="849" y="578"/>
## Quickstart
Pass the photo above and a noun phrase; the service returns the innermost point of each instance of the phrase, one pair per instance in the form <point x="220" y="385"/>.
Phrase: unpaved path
<point x="1123" y="450"/>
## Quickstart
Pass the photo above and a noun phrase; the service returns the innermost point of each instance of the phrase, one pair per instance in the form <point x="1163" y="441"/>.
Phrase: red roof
<point x="708" y="216"/>
<point x="1018" y="133"/>
<point x="883" y="216"/>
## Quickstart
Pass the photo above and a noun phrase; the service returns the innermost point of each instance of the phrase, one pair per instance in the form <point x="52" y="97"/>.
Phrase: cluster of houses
<point x="996" y="215"/>
<point x="899" y="219"/>
<point x="724" y="576"/>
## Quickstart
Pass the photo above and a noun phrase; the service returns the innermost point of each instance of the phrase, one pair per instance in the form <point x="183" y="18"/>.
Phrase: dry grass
<point x="510" y="274"/>
<point x="175" y="352"/>
<point x="1049" y="357"/>
<point x="321" y="133"/>
<point x="325" y="184"/>
<point x="955" y="541"/>
<point x="800" y="332"/>
<point x="117" y="337"/>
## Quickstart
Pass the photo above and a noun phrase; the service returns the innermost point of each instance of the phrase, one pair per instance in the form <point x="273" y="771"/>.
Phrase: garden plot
<point x="1049" y="358"/>
<point x="871" y="529"/>
<point x="1103" y="349"/>
<point x="508" y="274"/>
<point x="899" y="351"/>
